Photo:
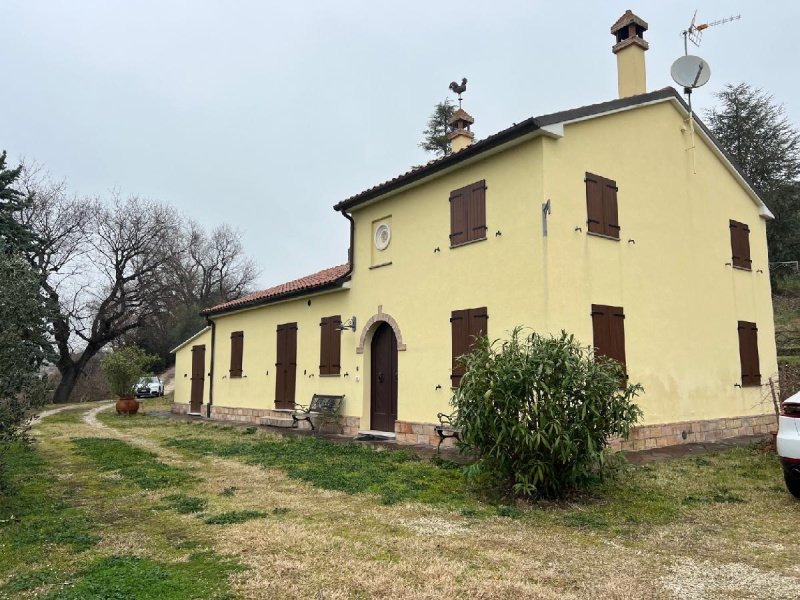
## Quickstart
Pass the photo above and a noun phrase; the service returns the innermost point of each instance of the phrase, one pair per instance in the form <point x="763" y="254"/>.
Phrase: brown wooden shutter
<point x="594" y="204"/>
<point x="608" y="329"/>
<point x="610" y="211"/>
<point x="478" y="319"/>
<point x="740" y="245"/>
<point x="459" y="324"/>
<point x="324" y="362"/>
<point x="476" y="212"/>
<point x="748" y="354"/>
<point x="330" y="345"/>
<point x="458" y="216"/>
<point x="237" y="351"/>
<point x="466" y="325"/>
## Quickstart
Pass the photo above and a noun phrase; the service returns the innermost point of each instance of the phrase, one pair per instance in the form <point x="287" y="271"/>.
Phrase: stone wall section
<point x="419" y="434"/>
<point x="340" y="425"/>
<point x="645" y="437"/>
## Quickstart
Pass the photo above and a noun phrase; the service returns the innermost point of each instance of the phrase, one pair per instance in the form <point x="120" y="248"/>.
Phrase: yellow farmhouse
<point x="622" y="222"/>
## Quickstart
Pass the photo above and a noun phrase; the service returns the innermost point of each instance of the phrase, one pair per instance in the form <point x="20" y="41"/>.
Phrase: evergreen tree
<point x="14" y="237"/>
<point x="24" y="339"/>
<point x="766" y="145"/>
<point x="435" y="135"/>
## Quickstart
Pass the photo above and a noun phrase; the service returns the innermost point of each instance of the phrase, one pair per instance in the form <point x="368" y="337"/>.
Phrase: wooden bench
<point x="445" y="429"/>
<point x="321" y="405"/>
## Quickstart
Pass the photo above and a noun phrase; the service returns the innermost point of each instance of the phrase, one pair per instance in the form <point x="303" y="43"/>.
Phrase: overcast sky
<point x="266" y="114"/>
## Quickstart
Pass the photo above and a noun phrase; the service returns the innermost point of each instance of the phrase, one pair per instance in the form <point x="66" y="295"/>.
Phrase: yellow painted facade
<point x="183" y="367"/>
<point x="668" y="271"/>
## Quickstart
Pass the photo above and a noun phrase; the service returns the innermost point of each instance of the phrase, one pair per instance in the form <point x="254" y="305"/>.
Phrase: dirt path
<point x="419" y="551"/>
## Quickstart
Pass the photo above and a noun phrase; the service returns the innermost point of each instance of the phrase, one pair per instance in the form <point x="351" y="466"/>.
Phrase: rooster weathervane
<point x="459" y="89"/>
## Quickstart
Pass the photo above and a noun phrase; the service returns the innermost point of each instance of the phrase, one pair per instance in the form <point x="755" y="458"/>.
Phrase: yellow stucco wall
<point x="183" y="368"/>
<point x="681" y="302"/>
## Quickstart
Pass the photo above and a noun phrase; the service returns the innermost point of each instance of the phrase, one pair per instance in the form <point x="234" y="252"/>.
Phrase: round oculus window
<point x="383" y="235"/>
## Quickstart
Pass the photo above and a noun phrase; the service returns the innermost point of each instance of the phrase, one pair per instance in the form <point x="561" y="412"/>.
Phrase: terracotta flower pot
<point x="127" y="405"/>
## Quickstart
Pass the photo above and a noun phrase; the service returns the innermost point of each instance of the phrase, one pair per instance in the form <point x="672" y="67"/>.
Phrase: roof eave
<point x="448" y="162"/>
<point x="188" y="340"/>
<point x="293" y="295"/>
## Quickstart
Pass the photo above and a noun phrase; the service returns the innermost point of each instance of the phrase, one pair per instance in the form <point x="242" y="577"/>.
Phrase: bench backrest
<point x="326" y="404"/>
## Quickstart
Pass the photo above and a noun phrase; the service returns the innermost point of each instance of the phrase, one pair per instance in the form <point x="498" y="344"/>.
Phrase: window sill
<point x="483" y="239"/>
<point x="330" y="375"/>
<point x="603" y="236"/>
<point x="748" y="269"/>
<point x="386" y="264"/>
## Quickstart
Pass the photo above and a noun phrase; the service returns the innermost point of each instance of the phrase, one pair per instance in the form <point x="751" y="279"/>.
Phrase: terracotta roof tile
<point x="326" y="277"/>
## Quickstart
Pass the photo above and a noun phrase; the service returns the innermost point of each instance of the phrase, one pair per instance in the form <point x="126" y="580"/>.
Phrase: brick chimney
<point x="630" y="48"/>
<point x="460" y="136"/>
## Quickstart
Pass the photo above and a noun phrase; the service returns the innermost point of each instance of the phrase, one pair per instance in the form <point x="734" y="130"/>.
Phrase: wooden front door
<point x="383" y="376"/>
<point x="198" y="378"/>
<point x="286" y="366"/>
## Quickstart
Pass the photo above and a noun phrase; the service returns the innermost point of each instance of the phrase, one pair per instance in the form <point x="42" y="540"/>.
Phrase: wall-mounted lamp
<point x="498" y="234"/>
<point x="438" y="386"/>
<point x="349" y="324"/>
<point x="346" y="374"/>
<point x="437" y="249"/>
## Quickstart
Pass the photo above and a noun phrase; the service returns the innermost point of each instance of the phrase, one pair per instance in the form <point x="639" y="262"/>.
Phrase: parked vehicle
<point x="788" y="443"/>
<point x="149" y="387"/>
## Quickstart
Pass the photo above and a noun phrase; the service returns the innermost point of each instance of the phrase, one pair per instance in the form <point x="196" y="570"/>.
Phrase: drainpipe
<point x="351" y="251"/>
<point x="213" y="326"/>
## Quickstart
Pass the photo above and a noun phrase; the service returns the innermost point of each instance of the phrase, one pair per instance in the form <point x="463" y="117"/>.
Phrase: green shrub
<point x="538" y="411"/>
<point x="124" y="367"/>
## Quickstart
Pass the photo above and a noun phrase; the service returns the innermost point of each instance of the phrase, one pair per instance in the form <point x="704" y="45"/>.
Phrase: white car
<point x="789" y="442"/>
<point x="149" y="387"/>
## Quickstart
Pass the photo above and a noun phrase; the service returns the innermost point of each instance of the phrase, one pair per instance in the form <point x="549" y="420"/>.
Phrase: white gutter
<point x="194" y="337"/>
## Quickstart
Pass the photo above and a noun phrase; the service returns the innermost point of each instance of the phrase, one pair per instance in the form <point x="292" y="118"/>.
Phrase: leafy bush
<point x="538" y="411"/>
<point x="124" y="367"/>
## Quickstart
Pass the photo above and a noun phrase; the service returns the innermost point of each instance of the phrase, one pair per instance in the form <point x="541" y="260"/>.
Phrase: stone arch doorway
<point x="383" y="378"/>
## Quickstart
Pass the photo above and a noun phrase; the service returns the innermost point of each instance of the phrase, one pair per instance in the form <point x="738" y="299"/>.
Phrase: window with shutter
<point x="748" y="354"/>
<point x="466" y="325"/>
<point x="468" y="214"/>
<point x="237" y="349"/>
<point x="740" y="245"/>
<point x="602" y="214"/>
<point x="330" y="345"/>
<point x="608" y="328"/>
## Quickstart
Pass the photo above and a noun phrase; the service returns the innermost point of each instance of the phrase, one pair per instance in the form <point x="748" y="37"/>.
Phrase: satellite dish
<point x="690" y="72"/>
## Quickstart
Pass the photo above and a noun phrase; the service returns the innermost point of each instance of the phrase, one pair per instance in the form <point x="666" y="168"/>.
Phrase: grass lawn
<point x="142" y="507"/>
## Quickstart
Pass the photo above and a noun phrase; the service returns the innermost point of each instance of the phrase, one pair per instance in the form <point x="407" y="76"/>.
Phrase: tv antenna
<point x="694" y="33"/>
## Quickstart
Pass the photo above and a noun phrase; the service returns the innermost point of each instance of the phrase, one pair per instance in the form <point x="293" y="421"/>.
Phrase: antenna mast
<point x="694" y="33"/>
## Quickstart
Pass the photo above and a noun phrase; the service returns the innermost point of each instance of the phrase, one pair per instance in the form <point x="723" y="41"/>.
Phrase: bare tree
<point x="102" y="268"/>
<point x="214" y="267"/>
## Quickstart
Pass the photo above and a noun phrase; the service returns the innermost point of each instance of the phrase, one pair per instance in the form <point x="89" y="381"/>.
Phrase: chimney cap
<point x="626" y="20"/>
<point x="629" y="31"/>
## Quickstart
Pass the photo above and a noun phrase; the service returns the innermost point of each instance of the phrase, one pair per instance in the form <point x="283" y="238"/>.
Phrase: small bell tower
<point x="460" y="135"/>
